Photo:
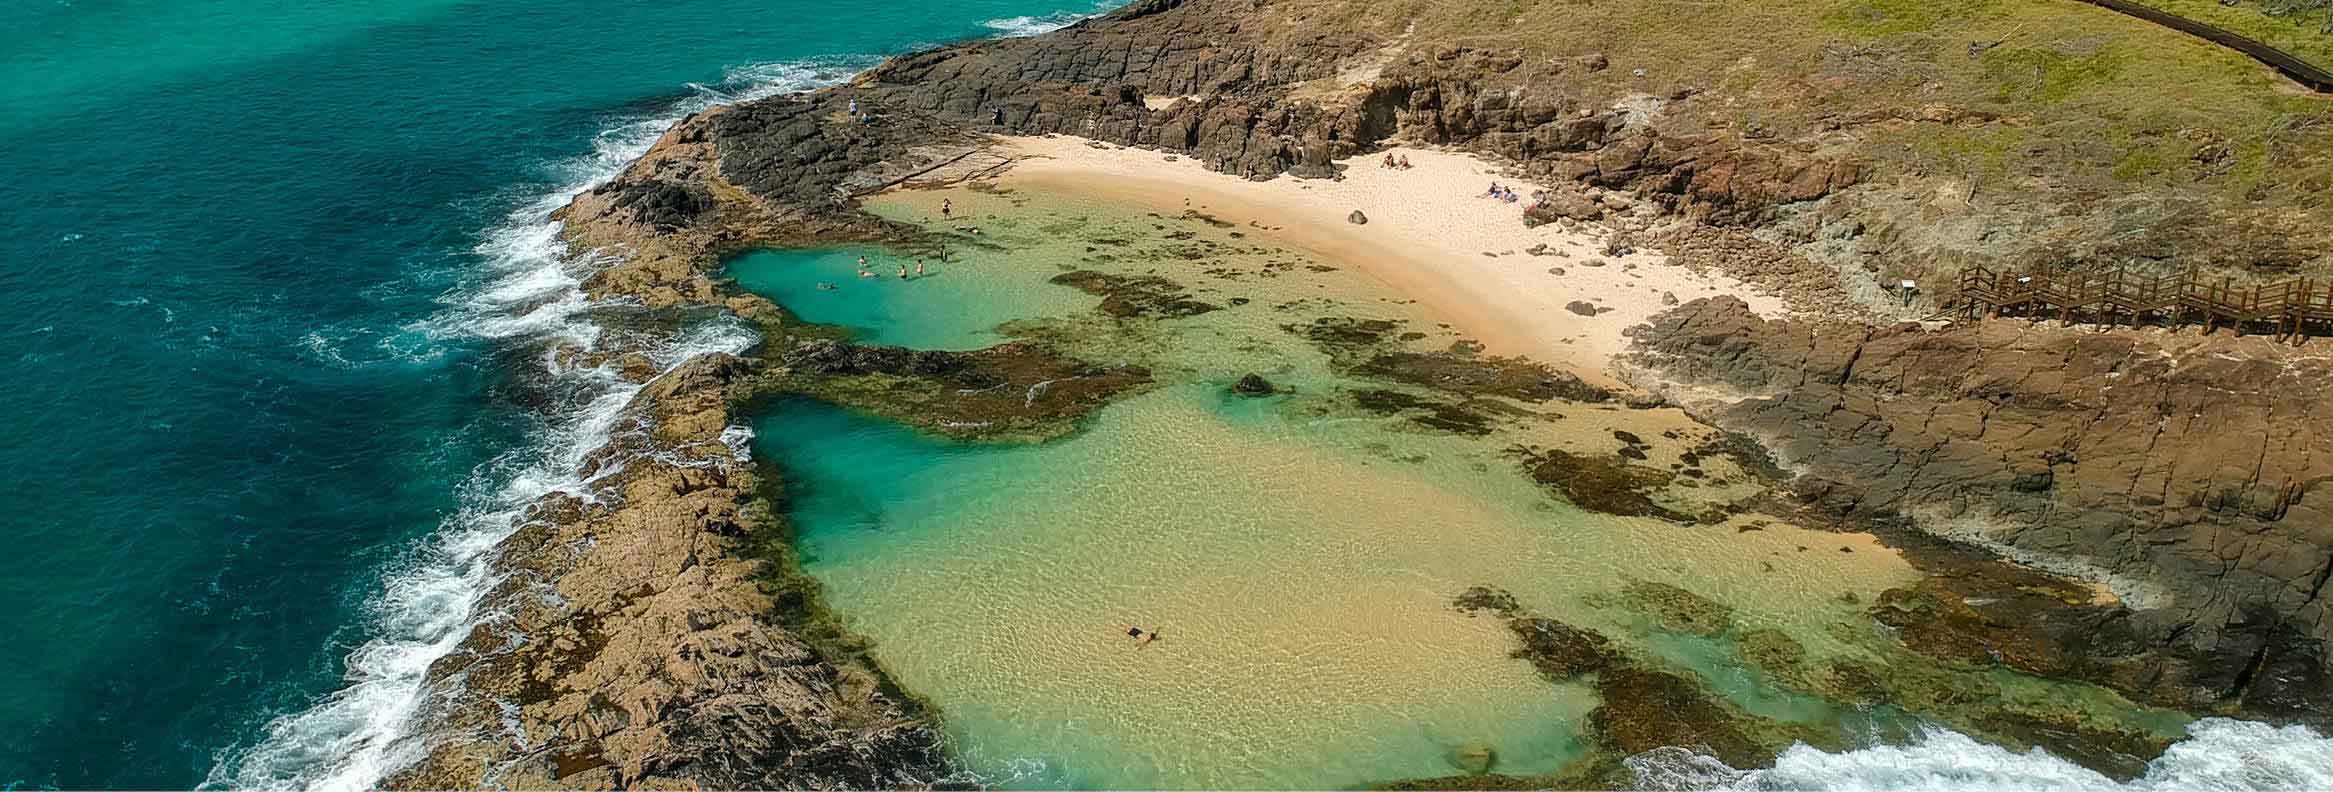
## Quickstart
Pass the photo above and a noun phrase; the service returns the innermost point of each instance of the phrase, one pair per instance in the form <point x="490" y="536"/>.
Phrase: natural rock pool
<point x="1304" y="554"/>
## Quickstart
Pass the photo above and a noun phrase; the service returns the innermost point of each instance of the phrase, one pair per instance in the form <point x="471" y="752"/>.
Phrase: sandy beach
<point x="1430" y="235"/>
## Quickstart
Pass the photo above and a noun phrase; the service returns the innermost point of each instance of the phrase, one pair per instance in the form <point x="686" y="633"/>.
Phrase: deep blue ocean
<point x="260" y="262"/>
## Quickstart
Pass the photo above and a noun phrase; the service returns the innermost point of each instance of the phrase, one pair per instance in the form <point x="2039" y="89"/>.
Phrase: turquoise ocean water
<point x="271" y="272"/>
<point x="274" y="284"/>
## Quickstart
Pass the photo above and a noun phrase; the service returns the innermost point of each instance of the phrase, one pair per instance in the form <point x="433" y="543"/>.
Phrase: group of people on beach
<point x="1402" y="163"/>
<point x="1502" y="192"/>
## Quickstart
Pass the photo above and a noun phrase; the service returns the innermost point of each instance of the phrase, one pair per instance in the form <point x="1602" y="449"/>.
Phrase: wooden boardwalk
<point x="2291" y="308"/>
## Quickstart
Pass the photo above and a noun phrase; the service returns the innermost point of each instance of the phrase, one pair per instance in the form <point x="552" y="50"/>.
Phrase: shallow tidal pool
<point x="1298" y="556"/>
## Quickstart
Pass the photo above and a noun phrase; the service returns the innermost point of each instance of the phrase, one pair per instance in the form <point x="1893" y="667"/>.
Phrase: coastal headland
<point x="2128" y="510"/>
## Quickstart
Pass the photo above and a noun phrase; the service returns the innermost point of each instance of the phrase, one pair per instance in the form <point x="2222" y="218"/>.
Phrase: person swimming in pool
<point x="1141" y="636"/>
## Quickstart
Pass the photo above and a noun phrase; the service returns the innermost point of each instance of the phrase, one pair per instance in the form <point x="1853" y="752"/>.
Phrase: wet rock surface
<point x="1643" y="706"/>
<point x="1468" y="374"/>
<point x="1130" y="297"/>
<point x="1431" y="413"/>
<point x="1021" y="390"/>
<point x="639" y="647"/>
<point x="2184" y="471"/>
<point x="1608" y="485"/>
<point x="1253" y="384"/>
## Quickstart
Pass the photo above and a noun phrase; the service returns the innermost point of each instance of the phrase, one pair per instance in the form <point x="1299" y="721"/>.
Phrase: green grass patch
<point x="2047" y="75"/>
<point x="1888" y="17"/>
<point x="2301" y="33"/>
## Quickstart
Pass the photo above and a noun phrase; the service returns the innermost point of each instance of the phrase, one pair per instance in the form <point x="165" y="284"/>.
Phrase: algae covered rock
<point x="1560" y="651"/>
<point x="1607" y="484"/>
<point x="1135" y="296"/>
<point x="1775" y="653"/>
<point x="1477" y="599"/>
<point x="1476" y="758"/>
<point x="1678" y="610"/>
<point x="1647" y="708"/>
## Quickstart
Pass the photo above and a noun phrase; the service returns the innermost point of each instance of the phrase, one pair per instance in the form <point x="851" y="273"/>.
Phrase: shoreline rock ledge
<point x="2187" y="475"/>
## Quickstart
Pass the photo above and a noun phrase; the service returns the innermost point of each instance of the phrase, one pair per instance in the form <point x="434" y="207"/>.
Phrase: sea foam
<point x="2219" y="754"/>
<point x="526" y="290"/>
<point x="1020" y="26"/>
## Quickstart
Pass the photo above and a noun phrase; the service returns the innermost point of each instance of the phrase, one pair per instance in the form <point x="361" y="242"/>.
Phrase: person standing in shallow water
<point x="919" y="268"/>
<point x="903" y="272"/>
<point x="947" y="208"/>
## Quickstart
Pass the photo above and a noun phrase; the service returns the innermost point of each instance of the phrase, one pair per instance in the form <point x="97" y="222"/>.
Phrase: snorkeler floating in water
<point x="1141" y="636"/>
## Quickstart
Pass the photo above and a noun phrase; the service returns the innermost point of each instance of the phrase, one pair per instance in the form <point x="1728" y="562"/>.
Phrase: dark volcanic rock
<point x="1253" y="385"/>
<point x="1647" y="708"/>
<point x="664" y="205"/>
<point x="1242" y="111"/>
<point x="2188" y="469"/>
<point x="1430" y="413"/>
<point x="1513" y="378"/>
<point x="1128" y="297"/>
<point x="1600" y="484"/>
<point x="1561" y="651"/>
<point x="1477" y="599"/>
<point x="1015" y="389"/>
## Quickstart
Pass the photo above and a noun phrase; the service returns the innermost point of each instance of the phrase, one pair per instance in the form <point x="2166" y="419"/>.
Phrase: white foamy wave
<point x="1019" y="26"/>
<point x="739" y="439"/>
<point x="526" y="262"/>
<point x="526" y="290"/>
<point x="2219" y="754"/>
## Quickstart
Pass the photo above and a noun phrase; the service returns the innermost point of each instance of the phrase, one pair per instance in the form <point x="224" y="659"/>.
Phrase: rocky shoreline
<point x="658" y="632"/>
<point x="2173" y="469"/>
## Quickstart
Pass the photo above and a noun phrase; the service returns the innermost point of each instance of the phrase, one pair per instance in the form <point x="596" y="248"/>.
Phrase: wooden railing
<point x="2301" y="71"/>
<point x="2301" y="306"/>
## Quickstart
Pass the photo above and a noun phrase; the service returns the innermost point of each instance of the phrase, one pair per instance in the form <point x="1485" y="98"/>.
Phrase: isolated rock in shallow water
<point x="1253" y="385"/>
<point x="1487" y="598"/>
<point x="1474" y="757"/>
<point x="1560" y="651"/>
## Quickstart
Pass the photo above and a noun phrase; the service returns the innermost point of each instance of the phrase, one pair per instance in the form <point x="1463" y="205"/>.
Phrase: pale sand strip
<point x="1425" y="238"/>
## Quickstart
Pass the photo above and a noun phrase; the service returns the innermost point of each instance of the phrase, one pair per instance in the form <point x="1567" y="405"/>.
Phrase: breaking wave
<point x="525" y="292"/>
<point x="2219" y="754"/>
<point x="1019" y="26"/>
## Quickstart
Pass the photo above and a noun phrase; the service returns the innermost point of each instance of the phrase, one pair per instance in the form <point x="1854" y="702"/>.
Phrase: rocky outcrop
<point x="1225" y="83"/>
<point x="2189" y="473"/>
<point x="654" y="630"/>
<point x="638" y="648"/>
